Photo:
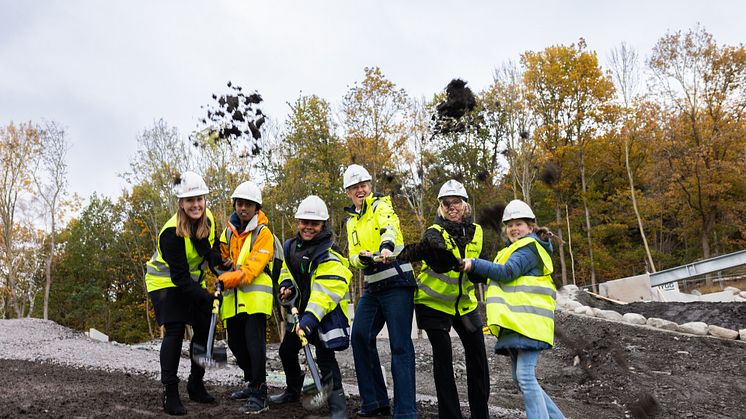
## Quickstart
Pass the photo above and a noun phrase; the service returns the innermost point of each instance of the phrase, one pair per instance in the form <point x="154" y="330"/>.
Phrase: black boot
<point x="172" y="402"/>
<point x="337" y="405"/>
<point x="256" y="402"/>
<point x="197" y="392"/>
<point x="291" y="393"/>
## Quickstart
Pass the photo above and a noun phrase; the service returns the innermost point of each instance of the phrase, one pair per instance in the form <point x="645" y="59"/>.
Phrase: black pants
<point x="247" y="340"/>
<point x="325" y="358"/>
<point x="477" y="372"/>
<point x="174" y="310"/>
<point x="171" y="348"/>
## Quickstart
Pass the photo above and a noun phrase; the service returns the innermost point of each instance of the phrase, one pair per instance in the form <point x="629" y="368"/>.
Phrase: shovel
<point x="211" y="357"/>
<point x="314" y="396"/>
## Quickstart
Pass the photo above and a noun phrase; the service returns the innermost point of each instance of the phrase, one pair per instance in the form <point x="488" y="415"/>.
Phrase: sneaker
<point x="381" y="411"/>
<point x="244" y="393"/>
<point x="256" y="402"/>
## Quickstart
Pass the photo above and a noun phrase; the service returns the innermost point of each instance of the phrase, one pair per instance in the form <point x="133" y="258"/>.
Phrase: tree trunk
<point x="48" y="270"/>
<point x="569" y="244"/>
<point x="558" y="218"/>
<point x="651" y="265"/>
<point x="587" y="221"/>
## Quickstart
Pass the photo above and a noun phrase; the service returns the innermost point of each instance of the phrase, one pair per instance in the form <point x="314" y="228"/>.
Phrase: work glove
<point x="227" y="264"/>
<point x="365" y="258"/>
<point x="441" y="260"/>
<point x="231" y="279"/>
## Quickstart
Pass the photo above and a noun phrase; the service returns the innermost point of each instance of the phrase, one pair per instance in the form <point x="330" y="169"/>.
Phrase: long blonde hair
<point x="185" y="225"/>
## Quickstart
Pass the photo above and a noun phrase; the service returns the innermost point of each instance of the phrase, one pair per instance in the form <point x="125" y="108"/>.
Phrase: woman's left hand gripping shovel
<point x="212" y="356"/>
<point x="315" y="396"/>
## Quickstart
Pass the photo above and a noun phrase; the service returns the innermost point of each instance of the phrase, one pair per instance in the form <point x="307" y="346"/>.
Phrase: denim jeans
<point x="394" y="307"/>
<point x="537" y="402"/>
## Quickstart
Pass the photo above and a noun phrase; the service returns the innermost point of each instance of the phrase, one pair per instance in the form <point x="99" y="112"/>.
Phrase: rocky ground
<point x="598" y="369"/>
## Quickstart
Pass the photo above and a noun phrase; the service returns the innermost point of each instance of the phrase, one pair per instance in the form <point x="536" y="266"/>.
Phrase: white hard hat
<point x="190" y="184"/>
<point x="517" y="209"/>
<point x="453" y="188"/>
<point x="354" y="175"/>
<point x="248" y="191"/>
<point x="312" y="208"/>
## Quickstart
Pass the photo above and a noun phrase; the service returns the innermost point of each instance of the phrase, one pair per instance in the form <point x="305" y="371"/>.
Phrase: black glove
<point x="441" y="260"/>
<point x="412" y="252"/>
<point x="365" y="260"/>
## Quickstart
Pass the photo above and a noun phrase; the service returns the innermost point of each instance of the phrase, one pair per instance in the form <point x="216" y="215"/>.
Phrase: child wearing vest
<point x="247" y="299"/>
<point x="520" y="301"/>
<point x="315" y="280"/>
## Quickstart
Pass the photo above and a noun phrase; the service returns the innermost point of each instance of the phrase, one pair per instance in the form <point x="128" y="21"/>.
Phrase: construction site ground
<point x="598" y="369"/>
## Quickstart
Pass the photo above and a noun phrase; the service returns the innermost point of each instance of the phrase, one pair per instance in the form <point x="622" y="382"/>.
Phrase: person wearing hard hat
<point x="175" y="282"/>
<point x="447" y="299"/>
<point x="373" y="228"/>
<point x="247" y="300"/>
<point x="520" y="302"/>
<point x="315" y="280"/>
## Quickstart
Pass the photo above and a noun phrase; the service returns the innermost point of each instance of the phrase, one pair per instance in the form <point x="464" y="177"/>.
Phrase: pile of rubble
<point x="567" y="300"/>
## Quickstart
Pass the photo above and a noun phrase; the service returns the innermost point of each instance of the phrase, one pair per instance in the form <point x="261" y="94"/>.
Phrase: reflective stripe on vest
<point x="451" y="291"/>
<point x="253" y="298"/>
<point x="388" y="273"/>
<point x="158" y="274"/>
<point x="525" y="304"/>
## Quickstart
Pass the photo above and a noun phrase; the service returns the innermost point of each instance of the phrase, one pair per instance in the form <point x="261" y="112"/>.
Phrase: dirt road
<point x="598" y="369"/>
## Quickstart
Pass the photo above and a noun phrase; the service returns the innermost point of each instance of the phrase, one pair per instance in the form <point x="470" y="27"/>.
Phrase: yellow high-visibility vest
<point x="158" y="274"/>
<point x="450" y="291"/>
<point x="253" y="298"/>
<point x="525" y="304"/>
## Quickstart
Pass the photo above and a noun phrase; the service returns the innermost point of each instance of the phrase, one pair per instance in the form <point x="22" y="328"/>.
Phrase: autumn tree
<point x="19" y="147"/>
<point x="373" y="123"/>
<point x="703" y="86"/>
<point x="624" y="63"/>
<point x="50" y="181"/>
<point x="510" y="121"/>
<point x="568" y="91"/>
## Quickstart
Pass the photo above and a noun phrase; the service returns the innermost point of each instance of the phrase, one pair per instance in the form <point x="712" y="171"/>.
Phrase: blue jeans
<point x="537" y="402"/>
<point x="394" y="307"/>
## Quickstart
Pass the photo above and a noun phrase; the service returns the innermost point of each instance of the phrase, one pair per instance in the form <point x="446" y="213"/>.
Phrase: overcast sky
<point x="106" y="70"/>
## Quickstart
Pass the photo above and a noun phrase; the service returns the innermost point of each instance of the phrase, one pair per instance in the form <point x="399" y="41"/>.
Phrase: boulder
<point x="609" y="315"/>
<point x="734" y="290"/>
<point x="595" y="311"/>
<point x="572" y="305"/>
<point x="742" y="294"/>
<point x="695" y="328"/>
<point x="662" y="324"/>
<point x="97" y="335"/>
<point x="723" y="333"/>
<point x="581" y="310"/>
<point x="695" y="292"/>
<point x="634" y="318"/>
<point x="742" y="334"/>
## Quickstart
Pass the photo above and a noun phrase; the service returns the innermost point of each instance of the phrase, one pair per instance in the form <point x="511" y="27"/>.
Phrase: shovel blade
<point x="218" y="358"/>
<point x="313" y="399"/>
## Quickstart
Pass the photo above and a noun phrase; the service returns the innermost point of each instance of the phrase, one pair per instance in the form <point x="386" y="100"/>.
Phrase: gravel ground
<point x="598" y="369"/>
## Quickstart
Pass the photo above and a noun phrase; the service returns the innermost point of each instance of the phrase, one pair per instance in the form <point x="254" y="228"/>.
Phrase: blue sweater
<point x="524" y="261"/>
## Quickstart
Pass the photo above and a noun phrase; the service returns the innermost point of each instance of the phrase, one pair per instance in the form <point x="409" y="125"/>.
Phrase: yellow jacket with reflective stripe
<point x="450" y="291"/>
<point x="525" y="304"/>
<point x="253" y="296"/>
<point x="330" y="284"/>
<point x="374" y="225"/>
<point x="158" y="275"/>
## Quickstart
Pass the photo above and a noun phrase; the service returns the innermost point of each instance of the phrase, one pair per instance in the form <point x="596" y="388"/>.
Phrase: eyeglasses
<point x="451" y="202"/>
